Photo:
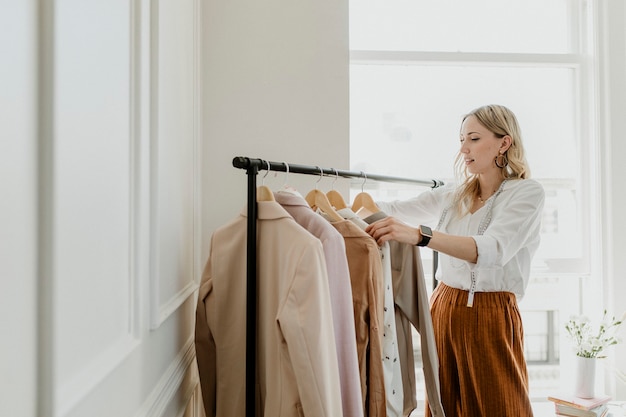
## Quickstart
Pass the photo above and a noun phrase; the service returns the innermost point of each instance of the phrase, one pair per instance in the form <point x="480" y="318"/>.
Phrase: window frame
<point x="580" y="273"/>
<point x="578" y="63"/>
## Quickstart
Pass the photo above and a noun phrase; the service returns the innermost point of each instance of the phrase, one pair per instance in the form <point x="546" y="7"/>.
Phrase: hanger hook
<point x="286" y="173"/>
<point x="336" y="178"/>
<point x="364" y="181"/>
<point x="320" y="178"/>
<point x="267" y="172"/>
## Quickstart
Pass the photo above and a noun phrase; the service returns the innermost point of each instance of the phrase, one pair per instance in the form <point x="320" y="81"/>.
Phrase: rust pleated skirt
<point x="482" y="368"/>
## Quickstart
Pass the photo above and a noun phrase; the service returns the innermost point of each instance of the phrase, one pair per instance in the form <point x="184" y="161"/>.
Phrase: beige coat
<point x="297" y="369"/>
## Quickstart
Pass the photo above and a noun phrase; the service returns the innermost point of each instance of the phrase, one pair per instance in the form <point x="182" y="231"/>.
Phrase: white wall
<point x="126" y="199"/>
<point x="101" y="207"/>
<point x="117" y="166"/>
<point x="275" y="87"/>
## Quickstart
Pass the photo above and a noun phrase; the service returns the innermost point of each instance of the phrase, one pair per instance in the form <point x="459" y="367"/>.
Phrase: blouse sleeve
<point x="424" y="208"/>
<point x="517" y="225"/>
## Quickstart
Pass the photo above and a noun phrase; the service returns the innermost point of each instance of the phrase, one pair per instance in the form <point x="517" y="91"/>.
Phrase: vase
<point x="585" y="377"/>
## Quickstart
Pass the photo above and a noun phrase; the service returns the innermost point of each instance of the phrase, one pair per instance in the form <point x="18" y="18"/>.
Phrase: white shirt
<point x="506" y="247"/>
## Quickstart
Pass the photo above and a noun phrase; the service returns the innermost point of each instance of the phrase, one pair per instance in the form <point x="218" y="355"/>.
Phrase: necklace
<point x="480" y="197"/>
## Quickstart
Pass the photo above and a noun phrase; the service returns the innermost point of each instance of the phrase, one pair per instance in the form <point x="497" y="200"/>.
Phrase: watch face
<point x="426" y="233"/>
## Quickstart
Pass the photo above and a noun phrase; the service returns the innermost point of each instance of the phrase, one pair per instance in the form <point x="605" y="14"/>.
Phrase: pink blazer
<point x="340" y="297"/>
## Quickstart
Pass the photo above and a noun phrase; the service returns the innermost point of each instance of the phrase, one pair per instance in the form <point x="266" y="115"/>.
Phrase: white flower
<point x="589" y="343"/>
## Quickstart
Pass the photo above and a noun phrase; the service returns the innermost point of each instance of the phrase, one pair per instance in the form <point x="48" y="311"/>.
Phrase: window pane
<point x="405" y="121"/>
<point x="531" y="26"/>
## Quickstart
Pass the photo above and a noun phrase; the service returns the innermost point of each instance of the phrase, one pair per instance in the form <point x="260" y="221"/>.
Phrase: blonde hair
<point x="501" y="122"/>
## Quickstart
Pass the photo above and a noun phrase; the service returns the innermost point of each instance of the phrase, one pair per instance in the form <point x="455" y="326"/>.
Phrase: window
<point x="418" y="66"/>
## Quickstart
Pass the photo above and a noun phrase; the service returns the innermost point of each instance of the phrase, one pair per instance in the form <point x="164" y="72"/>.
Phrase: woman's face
<point x="479" y="147"/>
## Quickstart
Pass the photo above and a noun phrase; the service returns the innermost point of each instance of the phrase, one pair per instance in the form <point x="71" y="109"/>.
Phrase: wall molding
<point x="155" y="316"/>
<point x="193" y="396"/>
<point x="139" y="219"/>
<point x="46" y="141"/>
<point x="170" y="383"/>
<point x="167" y="309"/>
<point x="161" y="310"/>
<point x="70" y="392"/>
<point x="197" y="217"/>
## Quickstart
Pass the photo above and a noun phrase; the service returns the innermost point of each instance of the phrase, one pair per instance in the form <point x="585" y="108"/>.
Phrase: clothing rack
<point x="252" y="167"/>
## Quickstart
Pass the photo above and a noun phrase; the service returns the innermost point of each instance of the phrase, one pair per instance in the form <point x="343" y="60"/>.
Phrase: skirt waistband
<point x="454" y="296"/>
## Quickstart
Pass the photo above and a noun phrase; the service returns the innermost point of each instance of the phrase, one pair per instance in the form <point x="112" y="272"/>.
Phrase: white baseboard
<point x="175" y="382"/>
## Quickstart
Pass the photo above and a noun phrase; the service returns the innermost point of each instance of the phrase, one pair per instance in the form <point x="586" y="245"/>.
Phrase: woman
<point x="487" y="231"/>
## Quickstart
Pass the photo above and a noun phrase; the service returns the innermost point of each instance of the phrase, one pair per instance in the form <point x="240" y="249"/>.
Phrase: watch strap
<point x="426" y="233"/>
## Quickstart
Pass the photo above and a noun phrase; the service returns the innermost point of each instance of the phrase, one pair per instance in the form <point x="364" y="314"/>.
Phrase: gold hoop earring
<point x="502" y="161"/>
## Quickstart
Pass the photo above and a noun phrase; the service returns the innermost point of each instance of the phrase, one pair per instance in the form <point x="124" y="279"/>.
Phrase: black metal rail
<point x="252" y="167"/>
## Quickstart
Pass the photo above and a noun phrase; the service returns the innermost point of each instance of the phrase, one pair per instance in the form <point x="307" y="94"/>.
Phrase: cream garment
<point x="391" y="358"/>
<point x="340" y="296"/>
<point x="297" y="369"/>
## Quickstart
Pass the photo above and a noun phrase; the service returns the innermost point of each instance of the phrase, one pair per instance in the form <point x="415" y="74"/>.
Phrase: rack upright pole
<point x="252" y="171"/>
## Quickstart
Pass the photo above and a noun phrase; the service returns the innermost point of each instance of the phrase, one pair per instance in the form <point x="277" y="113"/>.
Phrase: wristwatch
<point x="426" y="233"/>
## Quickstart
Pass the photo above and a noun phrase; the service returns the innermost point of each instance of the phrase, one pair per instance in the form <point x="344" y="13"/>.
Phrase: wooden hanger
<point x="263" y="192"/>
<point x="364" y="200"/>
<point x="318" y="200"/>
<point x="335" y="197"/>
<point x="336" y="200"/>
<point x="363" y="204"/>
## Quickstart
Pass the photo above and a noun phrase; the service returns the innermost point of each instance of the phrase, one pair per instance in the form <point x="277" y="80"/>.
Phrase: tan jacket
<point x="297" y="370"/>
<point x="367" y="294"/>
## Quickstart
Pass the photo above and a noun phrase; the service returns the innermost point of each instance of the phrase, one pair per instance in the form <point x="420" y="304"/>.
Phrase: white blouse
<point x="506" y="247"/>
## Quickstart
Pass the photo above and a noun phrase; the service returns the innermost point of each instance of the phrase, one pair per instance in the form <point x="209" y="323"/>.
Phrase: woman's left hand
<point x="391" y="228"/>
